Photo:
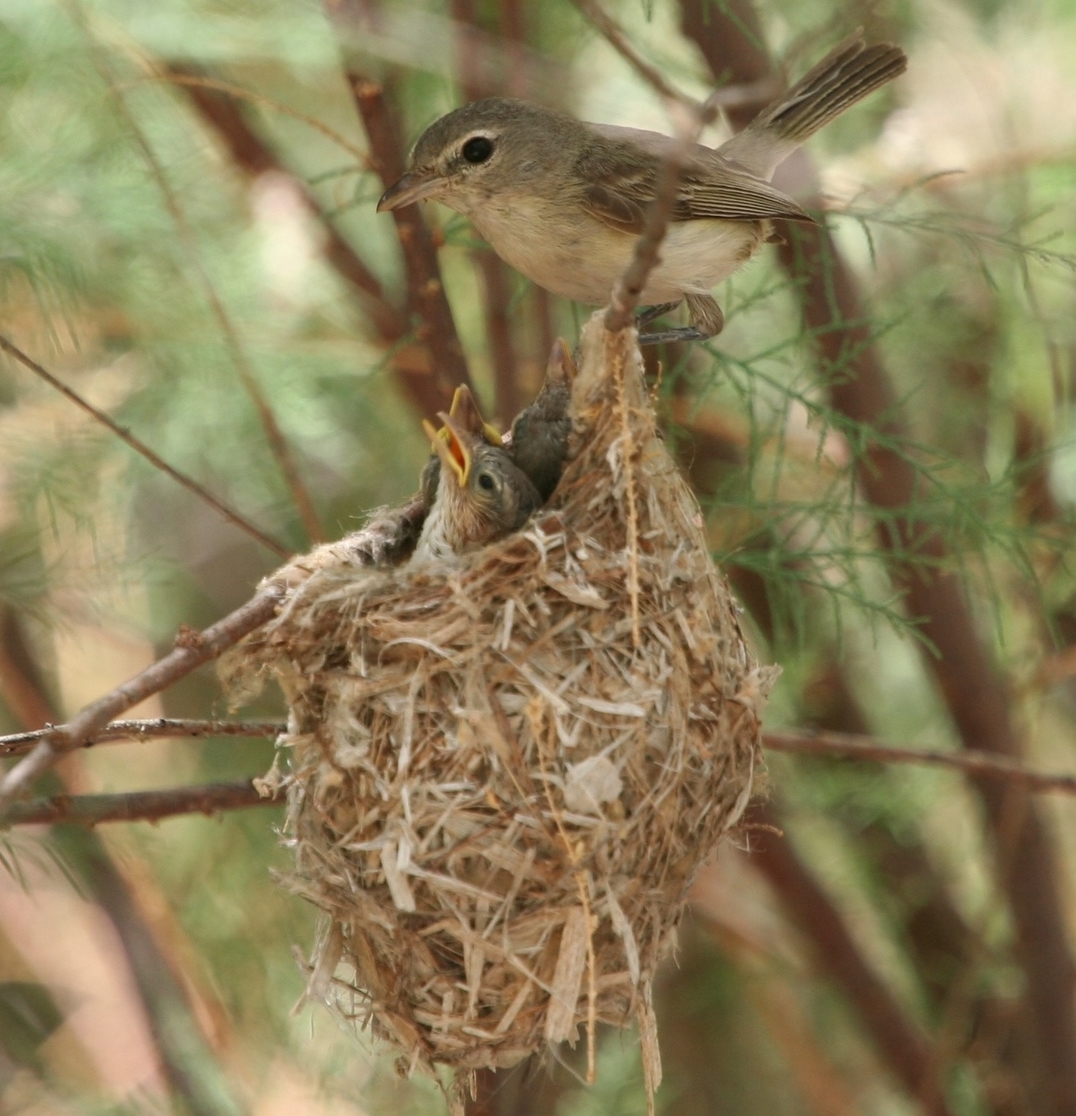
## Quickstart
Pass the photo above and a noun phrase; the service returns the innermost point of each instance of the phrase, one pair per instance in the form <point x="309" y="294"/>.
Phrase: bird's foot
<point x="666" y="336"/>
<point x="651" y="313"/>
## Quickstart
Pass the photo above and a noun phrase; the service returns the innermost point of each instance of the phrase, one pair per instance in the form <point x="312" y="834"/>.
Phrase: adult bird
<point x="564" y="201"/>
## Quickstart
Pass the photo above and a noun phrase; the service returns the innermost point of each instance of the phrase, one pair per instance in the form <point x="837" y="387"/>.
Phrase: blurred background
<point x="882" y="439"/>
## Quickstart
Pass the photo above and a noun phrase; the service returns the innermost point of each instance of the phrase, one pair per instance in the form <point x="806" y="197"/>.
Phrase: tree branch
<point x="852" y="746"/>
<point x="92" y="809"/>
<point x="143" y="450"/>
<point x="19" y="743"/>
<point x="192" y="649"/>
<point x="426" y="290"/>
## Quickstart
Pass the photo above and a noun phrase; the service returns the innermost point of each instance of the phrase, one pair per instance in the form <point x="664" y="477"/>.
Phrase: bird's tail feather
<point x="847" y="74"/>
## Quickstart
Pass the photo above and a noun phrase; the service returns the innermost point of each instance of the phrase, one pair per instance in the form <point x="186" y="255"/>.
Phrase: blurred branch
<point x="903" y="1044"/>
<point x="192" y="649"/>
<point x="91" y="809"/>
<point x="858" y="747"/>
<point x="217" y="106"/>
<point x="278" y="445"/>
<point x="750" y="93"/>
<point x="977" y="699"/>
<point x="186" y="74"/>
<point x="143" y="450"/>
<point x="495" y="272"/>
<point x="426" y="290"/>
<point x="614" y="35"/>
<point x="173" y="728"/>
<point x="178" y="1043"/>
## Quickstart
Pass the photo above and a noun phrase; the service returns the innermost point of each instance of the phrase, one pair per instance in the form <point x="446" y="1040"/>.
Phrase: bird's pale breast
<point x="568" y="252"/>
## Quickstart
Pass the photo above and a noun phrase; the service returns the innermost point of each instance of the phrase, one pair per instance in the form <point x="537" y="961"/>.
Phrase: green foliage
<point x="144" y="267"/>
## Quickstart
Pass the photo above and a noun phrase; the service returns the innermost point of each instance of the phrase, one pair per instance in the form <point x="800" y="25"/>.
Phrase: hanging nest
<point x="503" y="775"/>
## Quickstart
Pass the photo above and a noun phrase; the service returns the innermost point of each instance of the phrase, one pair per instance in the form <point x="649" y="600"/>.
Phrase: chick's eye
<point x="485" y="480"/>
<point x="477" y="149"/>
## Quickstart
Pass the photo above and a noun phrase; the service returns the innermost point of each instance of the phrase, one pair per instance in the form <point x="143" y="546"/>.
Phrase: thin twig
<point x="615" y="36"/>
<point x="278" y="444"/>
<point x="192" y="649"/>
<point x="91" y="809"/>
<point x="973" y="764"/>
<point x="154" y="728"/>
<point x="143" y="450"/>
<point x="727" y="97"/>
<point x="629" y="286"/>
<point x="805" y="743"/>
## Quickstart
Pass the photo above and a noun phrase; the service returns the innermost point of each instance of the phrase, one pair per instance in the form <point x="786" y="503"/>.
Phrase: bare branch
<point x="495" y="272"/>
<point x="629" y="286"/>
<point x="867" y="748"/>
<point x="153" y="728"/>
<point x="615" y="36"/>
<point x="192" y="649"/>
<point x="91" y="809"/>
<point x="143" y="450"/>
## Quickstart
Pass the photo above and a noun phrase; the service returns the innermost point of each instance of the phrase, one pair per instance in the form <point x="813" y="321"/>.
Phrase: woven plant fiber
<point x="503" y="774"/>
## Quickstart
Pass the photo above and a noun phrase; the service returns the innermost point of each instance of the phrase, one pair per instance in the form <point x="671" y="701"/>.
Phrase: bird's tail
<point x="846" y="75"/>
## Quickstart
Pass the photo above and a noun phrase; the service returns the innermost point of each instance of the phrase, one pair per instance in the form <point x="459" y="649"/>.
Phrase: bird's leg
<point x="649" y="313"/>
<point x="703" y="313"/>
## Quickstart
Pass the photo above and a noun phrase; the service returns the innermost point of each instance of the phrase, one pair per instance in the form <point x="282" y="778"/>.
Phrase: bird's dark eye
<point x="485" y="480"/>
<point x="477" y="149"/>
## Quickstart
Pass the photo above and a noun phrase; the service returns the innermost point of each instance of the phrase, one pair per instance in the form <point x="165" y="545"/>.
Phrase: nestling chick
<point x="464" y="410"/>
<point x="539" y="439"/>
<point x="481" y="494"/>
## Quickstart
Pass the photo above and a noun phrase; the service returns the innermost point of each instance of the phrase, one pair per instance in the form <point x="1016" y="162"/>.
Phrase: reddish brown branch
<point x="251" y="154"/>
<point x="192" y="649"/>
<point x="496" y="281"/>
<point x="858" y="747"/>
<point x="91" y="809"/>
<point x="904" y="1045"/>
<point x="426" y="290"/>
<point x="278" y="444"/>
<point x="143" y="450"/>
<point x="966" y="675"/>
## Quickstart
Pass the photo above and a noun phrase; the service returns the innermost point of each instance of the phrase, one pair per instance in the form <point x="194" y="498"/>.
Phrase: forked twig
<point x="192" y="649"/>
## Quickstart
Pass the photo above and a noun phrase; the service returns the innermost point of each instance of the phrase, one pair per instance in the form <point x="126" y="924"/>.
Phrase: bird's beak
<point x="413" y="187"/>
<point x="450" y="445"/>
<point x="465" y="411"/>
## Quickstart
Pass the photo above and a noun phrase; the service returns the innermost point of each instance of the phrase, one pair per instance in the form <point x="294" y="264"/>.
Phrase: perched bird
<point x="481" y="495"/>
<point x="538" y="441"/>
<point x="563" y="201"/>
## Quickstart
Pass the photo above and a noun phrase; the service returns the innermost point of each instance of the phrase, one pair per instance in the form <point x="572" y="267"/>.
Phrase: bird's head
<point x="482" y="495"/>
<point x="484" y="149"/>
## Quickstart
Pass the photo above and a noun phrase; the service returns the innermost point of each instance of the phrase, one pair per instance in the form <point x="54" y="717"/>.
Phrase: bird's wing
<point x="621" y="181"/>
